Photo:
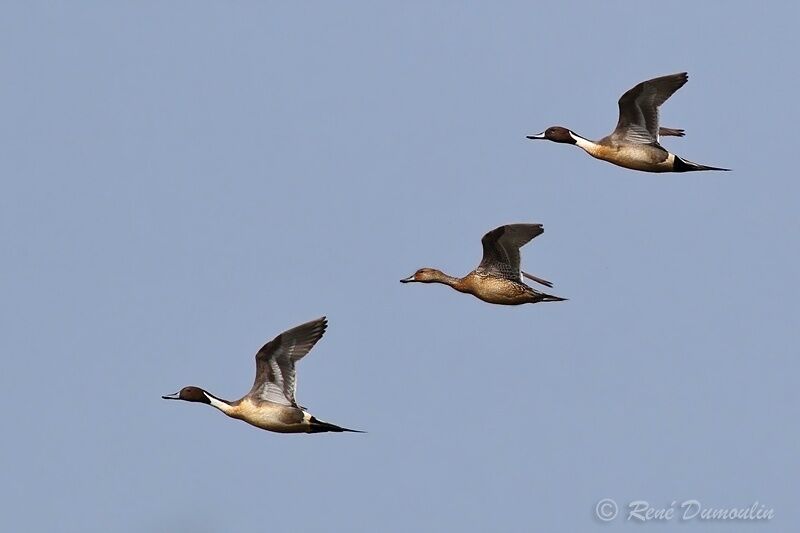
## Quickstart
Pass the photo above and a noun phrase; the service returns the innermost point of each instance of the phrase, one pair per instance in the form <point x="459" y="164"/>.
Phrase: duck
<point x="498" y="278"/>
<point x="634" y="144"/>
<point x="271" y="404"/>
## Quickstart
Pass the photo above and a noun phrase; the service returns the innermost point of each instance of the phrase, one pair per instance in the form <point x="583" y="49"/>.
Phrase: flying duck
<point x="498" y="278"/>
<point x="270" y="404"/>
<point x="634" y="143"/>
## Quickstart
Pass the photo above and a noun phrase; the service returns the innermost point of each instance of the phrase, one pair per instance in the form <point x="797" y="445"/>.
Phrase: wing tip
<point x="320" y="323"/>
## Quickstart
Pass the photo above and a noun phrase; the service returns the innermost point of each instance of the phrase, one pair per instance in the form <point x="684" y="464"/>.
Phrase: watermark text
<point x="607" y="510"/>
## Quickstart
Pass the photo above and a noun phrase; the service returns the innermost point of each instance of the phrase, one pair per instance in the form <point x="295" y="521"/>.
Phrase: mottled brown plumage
<point x="498" y="278"/>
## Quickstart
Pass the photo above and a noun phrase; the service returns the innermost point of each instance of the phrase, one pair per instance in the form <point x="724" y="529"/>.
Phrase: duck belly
<point x="499" y="291"/>
<point x="642" y="157"/>
<point x="275" y="417"/>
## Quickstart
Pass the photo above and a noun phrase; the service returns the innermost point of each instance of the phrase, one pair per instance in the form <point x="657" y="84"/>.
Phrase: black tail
<point x="318" y="426"/>
<point x="683" y="165"/>
<point x="550" y="298"/>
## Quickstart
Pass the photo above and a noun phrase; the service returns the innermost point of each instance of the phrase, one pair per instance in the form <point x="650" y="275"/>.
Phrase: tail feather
<point x="543" y="297"/>
<point x="318" y="426"/>
<point x="684" y="165"/>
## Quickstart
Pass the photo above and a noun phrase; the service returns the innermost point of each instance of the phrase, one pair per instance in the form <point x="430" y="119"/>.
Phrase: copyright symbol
<point x="606" y="509"/>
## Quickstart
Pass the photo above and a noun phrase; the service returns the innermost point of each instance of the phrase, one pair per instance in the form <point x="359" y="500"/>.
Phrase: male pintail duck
<point x="270" y="403"/>
<point x="498" y="279"/>
<point x="634" y="143"/>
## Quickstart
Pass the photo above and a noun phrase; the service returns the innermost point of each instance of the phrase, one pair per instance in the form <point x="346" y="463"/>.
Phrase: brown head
<point x="189" y="394"/>
<point x="425" y="275"/>
<point x="556" y="134"/>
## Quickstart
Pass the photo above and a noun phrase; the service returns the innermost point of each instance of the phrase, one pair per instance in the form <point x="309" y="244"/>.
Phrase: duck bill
<point x="409" y="279"/>
<point x="537" y="136"/>
<point x="175" y="396"/>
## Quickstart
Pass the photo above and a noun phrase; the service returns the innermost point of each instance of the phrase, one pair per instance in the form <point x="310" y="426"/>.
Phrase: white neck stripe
<point x="586" y="144"/>
<point x="222" y="406"/>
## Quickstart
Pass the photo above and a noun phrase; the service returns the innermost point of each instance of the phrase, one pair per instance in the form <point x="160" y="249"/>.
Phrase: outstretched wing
<point x="638" y="108"/>
<point x="675" y="132"/>
<point x="501" y="249"/>
<point x="275" y="373"/>
<point x="537" y="279"/>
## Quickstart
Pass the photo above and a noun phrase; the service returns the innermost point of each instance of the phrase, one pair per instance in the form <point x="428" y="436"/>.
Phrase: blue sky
<point x="183" y="181"/>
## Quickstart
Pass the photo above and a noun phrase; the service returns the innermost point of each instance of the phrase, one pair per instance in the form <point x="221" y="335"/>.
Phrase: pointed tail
<point x="318" y="426"/>
<point x="684" y="165"/>
<point x="543" y="297"/>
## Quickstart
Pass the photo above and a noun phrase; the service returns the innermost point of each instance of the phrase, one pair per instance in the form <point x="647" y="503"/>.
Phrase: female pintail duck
<point x="498" y="279"/>
<point x="634" y="143"/>
<point x="270" y="403"/>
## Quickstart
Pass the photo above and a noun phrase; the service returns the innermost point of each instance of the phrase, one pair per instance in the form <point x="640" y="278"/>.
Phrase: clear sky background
<point x="182" y="181"/>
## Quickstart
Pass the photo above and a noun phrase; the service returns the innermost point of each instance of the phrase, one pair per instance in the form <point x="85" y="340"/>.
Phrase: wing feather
<point x="276" y="379"/>
<point x="638" y="108"/>
<point x="501" y="249"/>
